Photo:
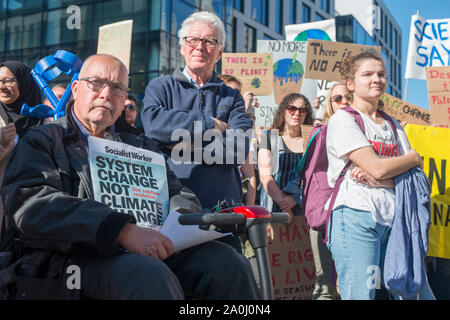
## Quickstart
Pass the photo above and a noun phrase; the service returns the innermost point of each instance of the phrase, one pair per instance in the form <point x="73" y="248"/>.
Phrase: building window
<point x="238" y="5"/>
<point x="181" y="10"/>
<point x="325" y="5"/>
<point x="249" y="39"/>
<point x="318" y="17"/>
<point x="279" y="16"/>
<point x="259" y="11"/>
<point x="395" y="42"/>
<point x="390" y="35"/>
<point x="14" y="33"/>
<point x="23" y="6"/>
<point x="306" y="13"/>
<point x="292" y="11"/>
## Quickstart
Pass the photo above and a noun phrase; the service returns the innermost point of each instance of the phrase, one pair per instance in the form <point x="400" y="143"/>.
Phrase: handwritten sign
<point x="115" y="39"/>
<point x="324" y="58"/>
<point x="291" y="261"/>
<point x="429" y="46"/>
<point x="404" y="111"/>
<point x="438" y="82"/>
<point x="289" y="58"/>
<point x="253" y="70"/>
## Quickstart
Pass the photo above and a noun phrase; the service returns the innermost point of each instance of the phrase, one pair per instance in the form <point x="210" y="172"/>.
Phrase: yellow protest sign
<point x="433" y="144"/>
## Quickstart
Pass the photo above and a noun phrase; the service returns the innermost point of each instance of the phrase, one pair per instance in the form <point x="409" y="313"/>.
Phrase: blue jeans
<point x="358" y="247"/>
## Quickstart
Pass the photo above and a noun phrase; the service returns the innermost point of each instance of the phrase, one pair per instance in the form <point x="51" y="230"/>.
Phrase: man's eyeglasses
<point x="192" y="42"/>
<point x="293" y="109"/>
<point x="339" y="98"/>
<point x="97" y="84"/>
<point x="9" y="82"/>
<point x="131" y="107"/>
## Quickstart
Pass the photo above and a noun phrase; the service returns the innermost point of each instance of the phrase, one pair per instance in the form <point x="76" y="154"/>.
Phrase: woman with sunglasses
<point x="131" y="110"/>
<point x="280" y="151"/>
<point x="338" y="97"/>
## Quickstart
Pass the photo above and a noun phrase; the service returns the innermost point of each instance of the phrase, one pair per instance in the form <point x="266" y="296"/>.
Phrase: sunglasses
<point x="292" y="109"/>
<point x="338" y="98"/>
<point x="130" y="107"/>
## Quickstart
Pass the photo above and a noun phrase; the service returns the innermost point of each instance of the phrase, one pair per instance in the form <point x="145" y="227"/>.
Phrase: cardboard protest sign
<point x="115" y="39"/>
<point x="323" y="89"/>
<point x="438" y="82"/>
<point x="429" y="46"/>
<point x="289" y="58"/>
<point x="129" y="180"/>
<point x="253" y="70"/>
<point x="404" y="111"/>
<point x="324" y="58"/>
<point x="323" y="30"/>
<point x="433" y="144"/>
<point x="306" y="134"/>
<point x="291" y="261"/>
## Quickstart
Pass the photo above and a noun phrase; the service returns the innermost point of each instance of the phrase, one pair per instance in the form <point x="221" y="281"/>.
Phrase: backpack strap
<point x="302" y="162"/>
<point x="357" y="116"/>
<point x="390" y="121"/>
<point x="334" y="196"/>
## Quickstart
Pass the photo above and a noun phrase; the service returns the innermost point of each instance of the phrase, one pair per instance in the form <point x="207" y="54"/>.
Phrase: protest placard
<point x="324" y="58"/>
<point x="323" y="30"/>
<point x="253" y="70"/>
<point x="404" y="111"/>
<point x="289" y="58"/>
<point x="291" y="261"/>
<point x="306" y="134"/>
<point x="438" y="82"/>
<point x="429" y="45"/>
<point x="433" y="144"/>
<point x="129" y="180"/>
<point x="115" y="39"/>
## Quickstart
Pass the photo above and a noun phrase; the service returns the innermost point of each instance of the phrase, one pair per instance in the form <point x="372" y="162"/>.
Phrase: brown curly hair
<point x="278" y="119"/>
<point x="352" y="63"/>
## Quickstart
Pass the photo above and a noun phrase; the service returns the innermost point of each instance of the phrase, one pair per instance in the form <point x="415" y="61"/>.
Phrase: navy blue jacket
<point x="172" y="102"/>
<point x="404" y="267"/>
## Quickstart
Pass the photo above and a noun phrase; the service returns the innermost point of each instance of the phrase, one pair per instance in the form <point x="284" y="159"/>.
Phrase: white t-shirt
<point x="343" y="136"/>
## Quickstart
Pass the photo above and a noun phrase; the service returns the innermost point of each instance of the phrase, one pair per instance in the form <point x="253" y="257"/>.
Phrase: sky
<point x="402" y="10"/>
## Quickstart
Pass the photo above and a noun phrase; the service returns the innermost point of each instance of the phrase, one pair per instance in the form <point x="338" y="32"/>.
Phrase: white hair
<point x="208" y="18"/>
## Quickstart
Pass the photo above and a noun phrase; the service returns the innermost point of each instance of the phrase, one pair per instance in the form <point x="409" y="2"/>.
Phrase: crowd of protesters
<point x="50" y="219"/>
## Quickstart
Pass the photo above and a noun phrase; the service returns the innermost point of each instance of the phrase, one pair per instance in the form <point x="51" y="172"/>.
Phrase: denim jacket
<point x="404" y="268"/>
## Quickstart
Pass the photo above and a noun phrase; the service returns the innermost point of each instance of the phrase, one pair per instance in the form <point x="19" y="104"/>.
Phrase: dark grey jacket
<point x="48" y="196"/>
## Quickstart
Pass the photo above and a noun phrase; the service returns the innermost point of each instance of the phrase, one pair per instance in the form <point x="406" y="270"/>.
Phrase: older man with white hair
<point x="193" y="98"/>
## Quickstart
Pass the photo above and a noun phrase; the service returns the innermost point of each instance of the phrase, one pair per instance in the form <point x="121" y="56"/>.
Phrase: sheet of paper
<point x="184" y="237"/>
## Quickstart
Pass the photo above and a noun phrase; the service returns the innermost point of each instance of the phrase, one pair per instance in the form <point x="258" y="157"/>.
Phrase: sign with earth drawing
<point x="320" y="30"/>
<point x="253" y="70"/>
<point x="289" y="60"/>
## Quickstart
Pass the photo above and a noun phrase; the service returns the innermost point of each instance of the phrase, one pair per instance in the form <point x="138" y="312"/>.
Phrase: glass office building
<point x="375" y="19"/>
<point x="33" y="29"/>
